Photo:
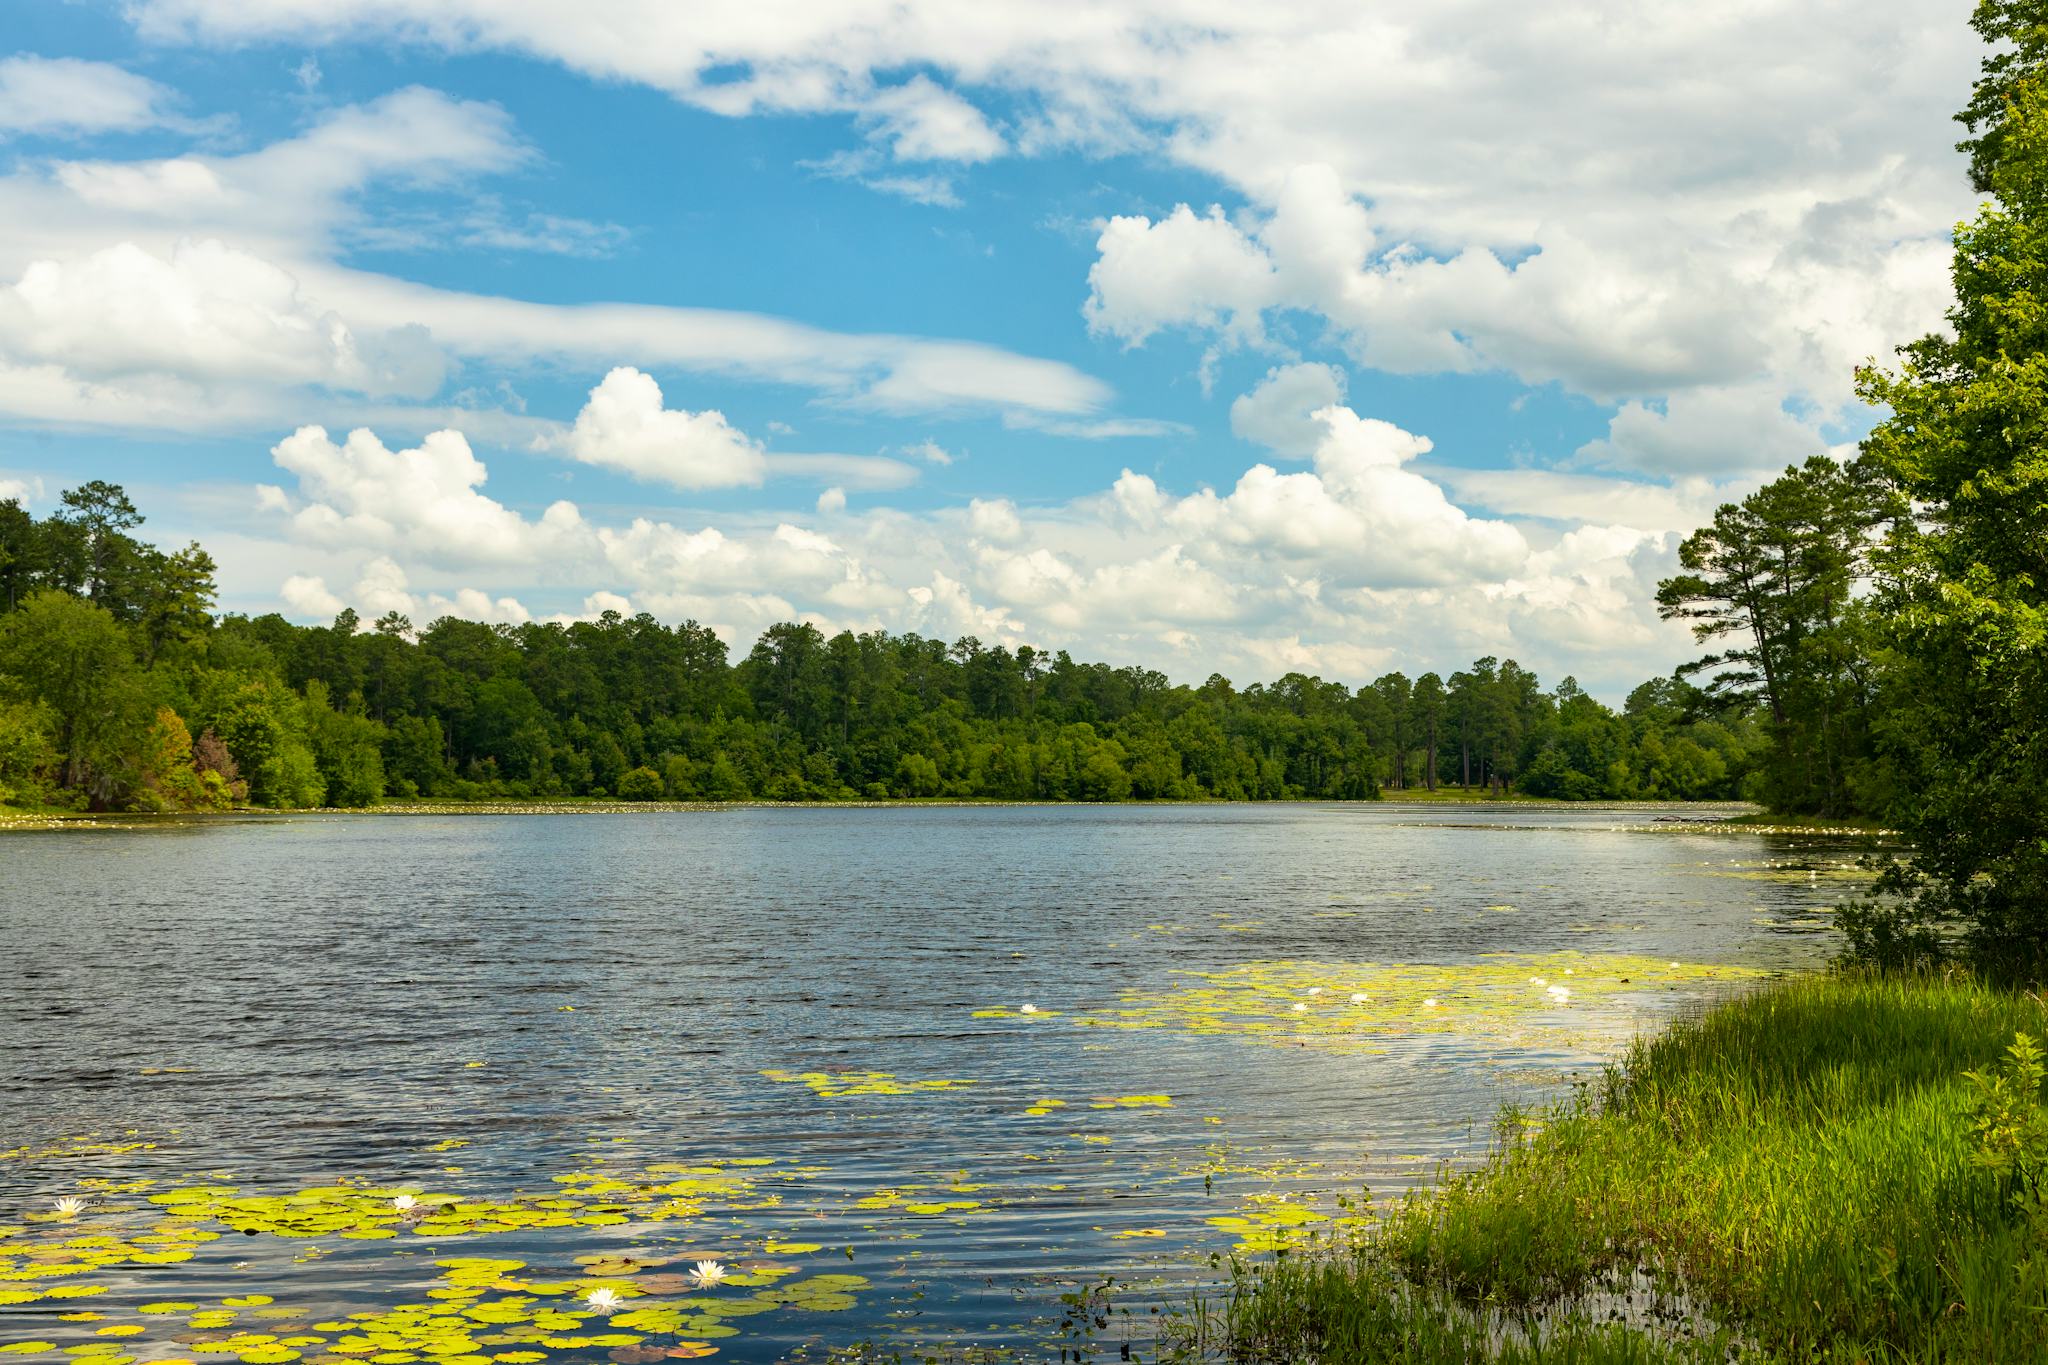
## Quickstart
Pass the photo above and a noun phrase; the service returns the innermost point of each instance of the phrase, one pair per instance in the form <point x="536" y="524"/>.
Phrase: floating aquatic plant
<point x="1264" y="1002"/>
<point x="834" y="1085"/>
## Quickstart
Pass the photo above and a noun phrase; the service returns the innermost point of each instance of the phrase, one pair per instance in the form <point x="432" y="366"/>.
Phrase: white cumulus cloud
<point x="424" y="501"/>
<point x="1280" y="414"/>
<point x="624" y="426"/>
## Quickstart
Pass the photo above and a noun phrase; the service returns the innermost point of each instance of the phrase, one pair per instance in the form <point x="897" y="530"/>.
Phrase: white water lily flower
<point x="1674" y="964"/>
<point x="707" y="1274"/>
<point x="1538" y="981"/>
<point x="1027" y="1009"/>
<point x="1315" y="990"/>
<point x="1559" y="994"/>
<point x="603" y="1300"/>
<point x="1300" y="1008"/>
<point x="1430" y="1003"/>
<point x="1359" y="997"/>
<point x="70" y="1206"/>
<point x="404" y="1203"/>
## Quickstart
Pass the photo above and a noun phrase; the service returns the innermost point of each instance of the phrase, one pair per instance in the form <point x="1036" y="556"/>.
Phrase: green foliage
<point x="28" y="756"/>
<point x="641" y="784"/>
<point x="724" y="782"/>
<point x="75" y="660"/>
<point x="1966" y="596"/>
<point x="1777" y="577"/>
<point x="2008" y="1123"/>
<point x="262" y="724"/>
<point x="169" y="780"/>
<point x="346" y="750"/>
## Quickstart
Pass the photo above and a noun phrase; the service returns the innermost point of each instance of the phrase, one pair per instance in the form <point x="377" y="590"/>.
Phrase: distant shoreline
<point x="1689" y="817"/>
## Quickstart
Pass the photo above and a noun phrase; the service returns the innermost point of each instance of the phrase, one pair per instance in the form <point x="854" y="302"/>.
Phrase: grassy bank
<point x="1795" y="1165"/>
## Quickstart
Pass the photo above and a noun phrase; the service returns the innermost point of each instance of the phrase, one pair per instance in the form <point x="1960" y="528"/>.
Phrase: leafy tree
<point x="218" y="771"/>
<point x="1967" y="441"/>
<point x="22" y="553"/>
<point x="262" y="723"/>
<point x="347" y="750"/>
<point x="641" y="784"/>
<point x="74" y="659"/>
<point x="101" y="515"/>
<point x="1426" y="706"/>
<point x="169" y="779"/>
<point x="679" y="778"/>
<point x="28" y="756"/>
<point x="725" y="782"/>
<point x="415" y="760"/>
<point x="175" y="600"/>
<point x="917" y="775"/>
<point x="1778" y="577"/>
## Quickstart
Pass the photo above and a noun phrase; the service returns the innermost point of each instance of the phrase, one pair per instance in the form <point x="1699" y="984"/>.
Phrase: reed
<point x="1789" y="1173"/>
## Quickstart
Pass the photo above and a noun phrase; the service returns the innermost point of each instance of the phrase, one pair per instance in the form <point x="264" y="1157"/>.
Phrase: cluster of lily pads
<point x="832" y="1085"/>
<point x="83" y="1259"/>
<point x="1510" y="999"/>
<point x="483" y="1310"/>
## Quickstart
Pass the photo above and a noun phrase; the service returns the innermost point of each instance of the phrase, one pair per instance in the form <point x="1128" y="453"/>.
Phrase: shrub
<point x="641" y="784"/>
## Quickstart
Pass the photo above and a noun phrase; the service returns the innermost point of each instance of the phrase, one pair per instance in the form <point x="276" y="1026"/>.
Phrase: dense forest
<point x="120" y="688"/>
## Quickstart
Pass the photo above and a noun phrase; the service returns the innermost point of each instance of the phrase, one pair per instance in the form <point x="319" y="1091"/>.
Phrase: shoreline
<point x="12" y="818"/>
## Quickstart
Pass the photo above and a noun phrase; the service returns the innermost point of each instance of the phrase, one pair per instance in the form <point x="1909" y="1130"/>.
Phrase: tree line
<point x="121" y="688"/>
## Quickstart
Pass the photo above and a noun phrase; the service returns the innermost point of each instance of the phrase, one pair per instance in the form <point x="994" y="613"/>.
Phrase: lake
<point x="594" y="1049"/>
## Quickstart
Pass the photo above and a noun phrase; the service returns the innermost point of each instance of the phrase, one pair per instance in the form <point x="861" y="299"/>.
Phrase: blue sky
<point x="1326" y="337"/>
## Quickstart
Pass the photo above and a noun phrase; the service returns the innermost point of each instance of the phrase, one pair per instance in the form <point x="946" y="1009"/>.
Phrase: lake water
<point x="597" y="1048"/>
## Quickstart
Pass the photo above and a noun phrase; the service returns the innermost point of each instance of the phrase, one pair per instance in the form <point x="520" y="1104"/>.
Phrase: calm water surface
<point x="515" y="1018"/>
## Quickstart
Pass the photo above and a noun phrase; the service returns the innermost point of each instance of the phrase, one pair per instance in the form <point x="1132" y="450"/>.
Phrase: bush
<point x="641" y="784"/>
<point x="724" y="782"/>
<point x="679" y="775"/>
<point x="28" y="758"/>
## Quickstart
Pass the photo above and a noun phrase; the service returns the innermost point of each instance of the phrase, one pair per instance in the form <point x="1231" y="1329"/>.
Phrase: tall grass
<point x="1796" y="1160"/>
